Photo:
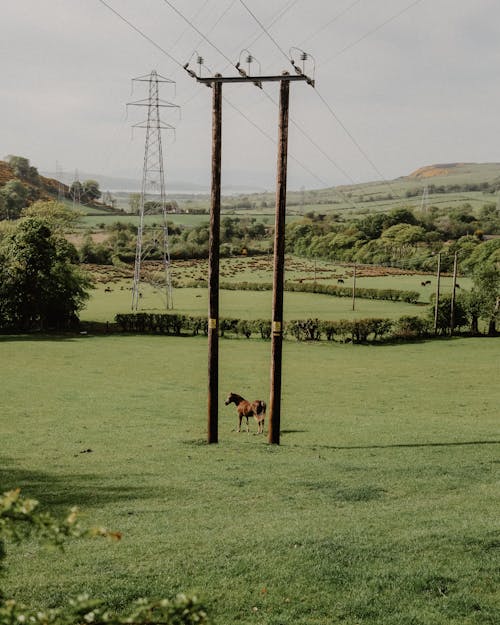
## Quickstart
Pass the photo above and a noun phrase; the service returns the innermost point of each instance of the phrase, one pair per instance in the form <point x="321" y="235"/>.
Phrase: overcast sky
<point x="422" y="88"/>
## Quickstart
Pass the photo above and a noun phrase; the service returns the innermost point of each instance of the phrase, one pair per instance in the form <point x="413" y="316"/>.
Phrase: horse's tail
<point x="261" y="407"/>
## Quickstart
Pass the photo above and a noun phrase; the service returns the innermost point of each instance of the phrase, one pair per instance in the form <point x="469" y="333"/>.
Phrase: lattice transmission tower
<point x="76" y="191"/>
<point x="153" y="241"/>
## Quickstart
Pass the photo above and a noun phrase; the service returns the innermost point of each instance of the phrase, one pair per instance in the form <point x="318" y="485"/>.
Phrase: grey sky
<point x="422" y="89"/>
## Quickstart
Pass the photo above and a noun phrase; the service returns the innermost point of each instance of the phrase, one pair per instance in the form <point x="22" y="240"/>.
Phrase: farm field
<point x="104" y="305"/>
<point x="379" y="508"/>
<point x="181" y="219"/>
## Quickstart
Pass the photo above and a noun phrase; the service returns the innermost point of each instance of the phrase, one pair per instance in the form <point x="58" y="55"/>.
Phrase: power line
<point x="265" y="30"/>
<point x="204" y="37"/>
<point x="193" y="17"/>
<point x="330" y="22"/>
<point x="141" y="33"/>
<point x="330" y="109"/>
<point x="372" y="31"/>
<point x="356" y="143"/>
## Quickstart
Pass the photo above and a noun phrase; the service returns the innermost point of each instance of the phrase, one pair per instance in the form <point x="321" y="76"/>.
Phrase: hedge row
<point x="393" y="295"/>
<point x="344" y="330"/>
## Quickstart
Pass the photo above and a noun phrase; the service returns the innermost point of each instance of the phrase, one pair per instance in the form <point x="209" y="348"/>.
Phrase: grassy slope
<point x="378" y="508"/>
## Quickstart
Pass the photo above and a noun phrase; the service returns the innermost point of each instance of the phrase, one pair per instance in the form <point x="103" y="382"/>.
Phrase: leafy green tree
<point x="14" y="195"/>
<point x="134" y="202"/>
<point x="23" y="169"/>
<point x="486" y="294"/>
<point x="444" y="313"/>
<point x="41" y="285"/>
<point x="58" y="215"/>
<point x="90" y="190"/>
<point x="76" y="190"/>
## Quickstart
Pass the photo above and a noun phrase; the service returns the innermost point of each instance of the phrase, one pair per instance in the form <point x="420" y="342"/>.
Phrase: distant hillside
<point x="44" y="189"/>
<point x="463" y="173"/>
<point x="448" y="185"/>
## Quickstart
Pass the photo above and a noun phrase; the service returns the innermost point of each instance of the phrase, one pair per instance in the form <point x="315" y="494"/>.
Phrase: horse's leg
<point x="258" y="423"/>
<point x="240" y="417"/>
<point x="248" y="429"/>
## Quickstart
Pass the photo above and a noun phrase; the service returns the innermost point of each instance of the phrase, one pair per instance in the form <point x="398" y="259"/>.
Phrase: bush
<point x="409" y="327"/>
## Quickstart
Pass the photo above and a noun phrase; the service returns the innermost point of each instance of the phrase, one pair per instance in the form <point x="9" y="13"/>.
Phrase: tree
<point x="90" y="190"/>
<point x="134" y="202"/>
<point x="486" y="294"/>
<point x="22" y="168"/>
<point x="41" y="285"/>
<point x="444" y="313"/>
<point x="58" y="215"/>
<point x="14" y="195"/>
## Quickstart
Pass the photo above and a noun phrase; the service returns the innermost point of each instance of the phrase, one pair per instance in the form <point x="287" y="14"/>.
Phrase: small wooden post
<point x="453" y="292"/>
<point x="213" y="267"/>
<point x="354" y="288"/>
<point x="279" y="269"/>
<point x="438" y="284"/>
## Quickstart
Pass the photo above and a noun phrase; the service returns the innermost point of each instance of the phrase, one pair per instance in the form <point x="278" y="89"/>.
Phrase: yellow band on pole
<point x="212" y="324"/>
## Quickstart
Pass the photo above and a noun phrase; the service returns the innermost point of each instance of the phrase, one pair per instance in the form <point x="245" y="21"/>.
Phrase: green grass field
<point x="104" y="306"/>
<point x="380" y="507"/>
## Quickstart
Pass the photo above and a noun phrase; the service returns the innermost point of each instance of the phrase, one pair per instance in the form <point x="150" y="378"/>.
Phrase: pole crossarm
<point x="210" y="80"/>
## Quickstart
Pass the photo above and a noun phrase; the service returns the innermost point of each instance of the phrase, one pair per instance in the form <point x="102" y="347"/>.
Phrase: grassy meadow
<point x="379" y="508"/>
<point x="105" y="304"/>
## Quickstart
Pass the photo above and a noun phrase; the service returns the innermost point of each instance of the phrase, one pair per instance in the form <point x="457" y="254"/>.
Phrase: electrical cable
<point x="263" y="132"/>
<point x="205" y="38"/>
<point x="372" y="31"/>
<point x="330" y="109"/>
<point x="329" y="23"/>
<point x="265" y="30"/>
<point x="142" y="34"/>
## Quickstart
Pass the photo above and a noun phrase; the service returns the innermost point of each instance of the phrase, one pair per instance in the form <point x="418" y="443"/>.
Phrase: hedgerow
<point x="392" y="295"/>
<point x="342" y="330"/>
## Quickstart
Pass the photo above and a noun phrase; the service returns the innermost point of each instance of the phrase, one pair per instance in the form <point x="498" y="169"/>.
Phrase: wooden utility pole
<point x="453" y="291"/>
<point x="213" y="268"/>
<point x="354" y="288"/>
<point x="216" y="82"/>
<point x="438" y="285"/>
<point x="279" y="269"/>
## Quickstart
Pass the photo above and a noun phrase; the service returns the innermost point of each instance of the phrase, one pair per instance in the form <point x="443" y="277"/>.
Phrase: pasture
<point x="104" y="305"/>
<point x="379" y="508"/>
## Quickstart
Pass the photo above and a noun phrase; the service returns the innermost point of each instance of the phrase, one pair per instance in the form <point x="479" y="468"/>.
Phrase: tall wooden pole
<point x="213" y="268"/>
<point x="438" y="284"/>
<point x="354" y="288"/>
<point x="453" y="293"/>
<point x="279" y="269"/>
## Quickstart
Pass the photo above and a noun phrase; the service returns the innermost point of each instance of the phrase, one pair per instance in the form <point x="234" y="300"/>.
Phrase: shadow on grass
<point x="65" y="491"/>
<point x="24" y="338"/>
<point x="407" y="445"/>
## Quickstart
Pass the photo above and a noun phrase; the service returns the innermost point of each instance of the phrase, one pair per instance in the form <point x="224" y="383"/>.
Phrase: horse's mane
<point x="238" y="398"/>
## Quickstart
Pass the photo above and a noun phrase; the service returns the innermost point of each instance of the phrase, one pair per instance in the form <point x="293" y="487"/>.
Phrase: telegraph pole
<point x="354" y="287"/>
<point x="453" y="294"/>
<point x="213" y="267"/>
<point x="279" y="269"/>
<point x="216" y="83"/>
<point x="438" y="285"/>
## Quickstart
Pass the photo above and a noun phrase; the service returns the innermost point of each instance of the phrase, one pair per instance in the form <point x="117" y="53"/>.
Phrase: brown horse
<point x="256" y="409"/>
